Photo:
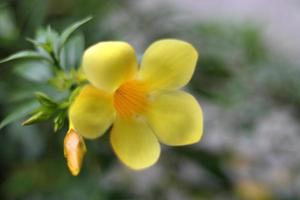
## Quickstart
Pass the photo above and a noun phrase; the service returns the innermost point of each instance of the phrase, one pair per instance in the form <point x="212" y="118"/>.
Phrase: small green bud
<point x="41" y="115"/>
<point x="59" y="121"/>
<point x="45" y="101"/>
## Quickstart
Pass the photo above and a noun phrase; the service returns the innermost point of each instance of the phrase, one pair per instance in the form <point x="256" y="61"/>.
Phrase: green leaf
<point x="71" y="29"/>
<point x="8" y="29"/>
<point x="74" y="94"/>
<point x="24" y="55"/>
<point x="59" y="120"/>
<point x="72" y="52"/>
<point x="34" y="71"/>
<point x="41" y="42"/>
<point x="61" y="81"/>
<point x="39" y="116"/>
<point x="53" y="41"/>
<point x="36" y="43"/>
<point x="2" y="5"/>
<point x="45" y="100"/>
<point x="18" y="113"/>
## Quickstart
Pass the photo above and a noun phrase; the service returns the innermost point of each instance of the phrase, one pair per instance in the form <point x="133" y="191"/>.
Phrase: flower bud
<point x="74" y="151"/>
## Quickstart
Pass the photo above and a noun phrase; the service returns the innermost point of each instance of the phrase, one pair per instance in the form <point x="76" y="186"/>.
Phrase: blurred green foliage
<point x="61" y="66"/>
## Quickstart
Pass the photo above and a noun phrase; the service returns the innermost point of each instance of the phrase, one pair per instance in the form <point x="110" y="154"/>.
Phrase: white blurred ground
<point x="280" y="19"/>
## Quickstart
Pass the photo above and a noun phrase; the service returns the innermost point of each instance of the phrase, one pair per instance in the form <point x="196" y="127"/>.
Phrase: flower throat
<point x="130" y="99"/>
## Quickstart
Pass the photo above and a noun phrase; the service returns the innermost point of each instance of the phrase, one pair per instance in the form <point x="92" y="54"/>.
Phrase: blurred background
<point x="247" y="81"/>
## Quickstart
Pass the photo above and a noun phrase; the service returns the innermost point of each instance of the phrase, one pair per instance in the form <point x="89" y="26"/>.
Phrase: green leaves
<point x="45" y="101"/>
<point x="59" y="121"/>
<point x="49" y="45"/>
<point x="34" y="71"/>
<point x="62" y="54"/>
<point x="72" y="52"/>
<point x="39" y="116"/>
<point x="70" y="30"/>
<point x="48" y="109"/>
<point x="19" y="113"/>
<point x="24" y="55"/>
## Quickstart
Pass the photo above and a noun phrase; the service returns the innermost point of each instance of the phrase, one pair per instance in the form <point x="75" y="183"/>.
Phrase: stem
<point x="55" y="60"/>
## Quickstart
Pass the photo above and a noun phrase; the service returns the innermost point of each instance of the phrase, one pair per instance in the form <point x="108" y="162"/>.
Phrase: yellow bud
<point x="74" y="151"/>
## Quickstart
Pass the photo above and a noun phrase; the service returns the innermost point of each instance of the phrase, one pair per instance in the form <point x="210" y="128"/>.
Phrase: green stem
<point x="55" y="60"/>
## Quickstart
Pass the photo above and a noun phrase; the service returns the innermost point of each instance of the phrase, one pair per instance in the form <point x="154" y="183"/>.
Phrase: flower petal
<point x="176" y="118"/>
<point x="134" y="143"/>
<point x="92" y="112"/>
<point x="168" y="64"/>
<point x="108" y="64"/>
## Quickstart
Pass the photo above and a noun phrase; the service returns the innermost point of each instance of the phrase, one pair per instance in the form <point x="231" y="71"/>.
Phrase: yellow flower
<point x="74" y="151"/>
<point x="144" y="104"/>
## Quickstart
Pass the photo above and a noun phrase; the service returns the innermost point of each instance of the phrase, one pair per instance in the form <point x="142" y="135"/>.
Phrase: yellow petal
<point x="176" y="118"/>
<point x="108" y="64"/>
<point x="74" y="151"/>
<point x="134" y="143"/>
<point x="92" y="112"/>
<point x="168" y="64"/>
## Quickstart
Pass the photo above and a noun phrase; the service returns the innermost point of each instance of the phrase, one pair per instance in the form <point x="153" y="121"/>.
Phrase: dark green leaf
<point x="2" y="5"/>
<point x="53" y="41"/>
<point x="37" y="44"/>
<point x="45" y="101"/>
<point x="18" y="113"/>
<point x="39" y="116"/>
<point x="61" y="81"/>
<point x="34" y="71"/>
<point x="41" y="42"/>
<point x="72" y="52"/>
<point x="24" y="55"/>
<point x="68" y="31"/>
<point x="74" y="94"/>
<point x="59" y="121"/>
<point x="8" y="29"/>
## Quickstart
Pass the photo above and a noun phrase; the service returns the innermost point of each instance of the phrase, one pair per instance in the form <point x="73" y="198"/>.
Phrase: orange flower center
<point x="130" y="99"/>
